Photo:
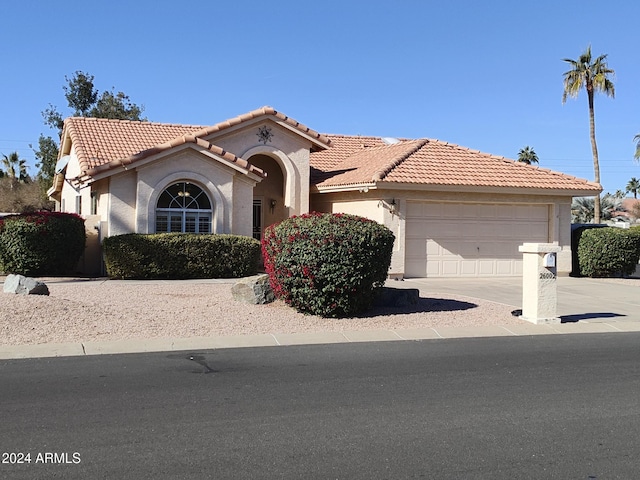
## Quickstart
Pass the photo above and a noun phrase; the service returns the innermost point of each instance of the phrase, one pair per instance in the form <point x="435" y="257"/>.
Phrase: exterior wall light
<point x="393" y="206"/>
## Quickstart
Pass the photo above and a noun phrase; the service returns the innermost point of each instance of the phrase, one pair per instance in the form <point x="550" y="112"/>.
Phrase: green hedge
<point x="327" y="264"/>
<point x="41" y="243"/>
<point x="609" y="252"/>
<point x="180" y="256"/>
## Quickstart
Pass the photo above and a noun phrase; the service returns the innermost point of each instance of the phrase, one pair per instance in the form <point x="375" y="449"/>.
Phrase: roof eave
<point x="259" y="115"/>
<point x="564" y="192"/>
<point x="131" y="163"/>
<point x="58" y="181"/>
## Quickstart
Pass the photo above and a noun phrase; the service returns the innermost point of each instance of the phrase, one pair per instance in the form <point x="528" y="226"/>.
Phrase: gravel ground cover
<point x="94" y="310"/>
<point x="110" y="310"/>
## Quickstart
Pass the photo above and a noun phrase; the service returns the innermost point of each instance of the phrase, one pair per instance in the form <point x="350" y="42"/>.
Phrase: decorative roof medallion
<point x="264" y="134"/>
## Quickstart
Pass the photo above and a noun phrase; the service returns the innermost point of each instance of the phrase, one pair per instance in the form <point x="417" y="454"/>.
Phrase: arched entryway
<point x="268" y="195"/>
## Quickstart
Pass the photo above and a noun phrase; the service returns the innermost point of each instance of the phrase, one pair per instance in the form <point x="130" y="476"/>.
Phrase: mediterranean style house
<point x="454" y="211"/>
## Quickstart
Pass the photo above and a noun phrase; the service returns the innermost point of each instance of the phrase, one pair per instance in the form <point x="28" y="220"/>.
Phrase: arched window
<point x="183" y="207"/>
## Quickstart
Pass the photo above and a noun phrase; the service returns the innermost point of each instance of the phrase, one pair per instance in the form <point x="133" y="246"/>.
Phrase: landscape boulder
<point x="396" y="297"/>
<point x="22" y="285"/>
<point x="255" y="290"/>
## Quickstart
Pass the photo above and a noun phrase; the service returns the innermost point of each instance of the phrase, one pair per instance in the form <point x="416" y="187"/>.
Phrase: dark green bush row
<point x="607" y="252"/>
<point x="180" y="255"/>
<point x="327" y="264"/>
<point x="41" y="243"/>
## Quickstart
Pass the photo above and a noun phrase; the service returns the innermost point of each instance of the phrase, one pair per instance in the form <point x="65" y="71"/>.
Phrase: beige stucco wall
<point x="374" y="208"/>
<point x="242" y="221"/>
<point x="374" y="203"/>
<point x="121" y="218"/>
<point x="127" y="200"/>
<point x="227" y="188"/>
<point x="69" y="193"/>
<point x="289" y="149"/>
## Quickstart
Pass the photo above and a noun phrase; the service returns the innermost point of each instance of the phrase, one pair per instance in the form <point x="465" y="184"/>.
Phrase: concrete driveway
<point x="578" y="298"/>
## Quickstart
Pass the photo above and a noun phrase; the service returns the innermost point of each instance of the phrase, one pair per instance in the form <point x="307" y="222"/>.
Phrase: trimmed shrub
<point x="327" y="264"/>
<point x="576" y="232"/>
<point x="609" y="252"/>
<point x="180" y="256"/>
<point x="41" y="243"/>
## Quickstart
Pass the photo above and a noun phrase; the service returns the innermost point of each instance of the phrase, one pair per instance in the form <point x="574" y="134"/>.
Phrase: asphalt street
<point x="536" y="407"/>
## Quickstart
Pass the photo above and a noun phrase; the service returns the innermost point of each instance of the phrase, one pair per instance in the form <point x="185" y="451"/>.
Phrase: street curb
<point x="125" y="346"/>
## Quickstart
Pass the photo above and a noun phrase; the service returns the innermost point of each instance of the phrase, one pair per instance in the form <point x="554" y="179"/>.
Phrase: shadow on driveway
<point x="588" y="316"/>
<point x="423" y="305"/>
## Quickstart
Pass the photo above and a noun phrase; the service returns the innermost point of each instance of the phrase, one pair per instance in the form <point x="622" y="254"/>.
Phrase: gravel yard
<point x="110" y="309"/>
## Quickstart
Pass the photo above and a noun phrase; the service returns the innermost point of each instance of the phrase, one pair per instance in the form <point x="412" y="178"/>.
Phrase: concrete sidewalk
<point x="585" y="305"/>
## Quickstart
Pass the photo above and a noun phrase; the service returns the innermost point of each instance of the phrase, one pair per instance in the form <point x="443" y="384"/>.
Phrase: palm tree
<point x="594" y="76"/>
<point x="633" y="187"/>
<point x="527" y="155"/>
<point x="15" y="167"/>
<point x="583" y="208"/>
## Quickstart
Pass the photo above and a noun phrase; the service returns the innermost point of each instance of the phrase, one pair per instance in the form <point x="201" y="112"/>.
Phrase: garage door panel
<point x="486" y="211"/>
<point x="451" y="210"/>
<point x="432" y="268"/>
<point x="470" y="240"/>
<point x="504" y="267"/>
<point x="467" y="249"/>
<point x="468" y="267"/>
<point x="418" y="248"/>
<point x="486" y="267"/>
<point x="416" y="229"/>
<point x="450" y="268"/>
<point x="433" y="248"/>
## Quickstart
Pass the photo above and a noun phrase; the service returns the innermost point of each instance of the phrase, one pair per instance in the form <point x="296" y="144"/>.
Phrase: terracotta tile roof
<point x="431" y="162"/>
<point x="124" y="162"/>
<point x="341" y="160"/>
<point x="99" y="141"/>
<point x="104" y="144"/>
<point x="353" y="162"/>
<point x="263" y="112"/>
<point x="342" y="146"/>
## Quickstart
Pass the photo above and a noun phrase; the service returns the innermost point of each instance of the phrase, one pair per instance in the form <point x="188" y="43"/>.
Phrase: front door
<point x="257" y="218"/>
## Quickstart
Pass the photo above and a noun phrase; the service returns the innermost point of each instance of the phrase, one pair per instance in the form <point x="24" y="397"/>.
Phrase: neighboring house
<point x="454" y="211"/>
<point x="628" y="211"/>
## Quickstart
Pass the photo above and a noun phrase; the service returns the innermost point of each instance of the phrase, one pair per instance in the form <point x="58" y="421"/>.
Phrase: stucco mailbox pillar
<point x="539" y="290"/>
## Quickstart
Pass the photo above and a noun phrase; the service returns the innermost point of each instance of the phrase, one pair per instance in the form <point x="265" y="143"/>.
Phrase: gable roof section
<point x="105" y="144"/>
<point x="318" y="139"/>
<point x="99" y="141"/>
<point x="176" y="142"/>
<point x="429" y="162"/>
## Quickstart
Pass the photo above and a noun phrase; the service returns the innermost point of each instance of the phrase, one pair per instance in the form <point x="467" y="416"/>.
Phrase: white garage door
<point x="455" y="239"/>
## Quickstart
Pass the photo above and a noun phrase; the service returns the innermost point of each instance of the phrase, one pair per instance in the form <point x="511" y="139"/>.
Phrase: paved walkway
<point x="585" y="306"/>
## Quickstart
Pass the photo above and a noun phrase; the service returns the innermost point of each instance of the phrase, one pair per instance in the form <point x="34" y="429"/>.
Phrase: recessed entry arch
<point x="291" y="177"/>
<point x="269" y="196"/>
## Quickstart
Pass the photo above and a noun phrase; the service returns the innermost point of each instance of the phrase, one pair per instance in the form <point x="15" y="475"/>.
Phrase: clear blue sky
<point x="485" y="75"/>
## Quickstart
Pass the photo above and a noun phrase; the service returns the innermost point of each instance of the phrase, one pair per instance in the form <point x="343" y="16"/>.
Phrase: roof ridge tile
<point x="381" y="174"/>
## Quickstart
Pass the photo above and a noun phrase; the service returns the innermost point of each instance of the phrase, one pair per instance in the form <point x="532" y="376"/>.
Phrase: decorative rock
<point x="397" y="297"/>
<point x="255" y="290"/>
<point x="24" y="285"/>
